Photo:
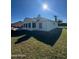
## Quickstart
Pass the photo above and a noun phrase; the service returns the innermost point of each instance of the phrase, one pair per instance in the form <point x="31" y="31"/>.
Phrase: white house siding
<point x="47" y="25"/>
<point x="26" y="21"/>
<point x="51" y="25"/>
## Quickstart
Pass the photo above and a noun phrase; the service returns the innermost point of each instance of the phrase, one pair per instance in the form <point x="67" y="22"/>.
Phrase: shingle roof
<point x="38" y="18"/>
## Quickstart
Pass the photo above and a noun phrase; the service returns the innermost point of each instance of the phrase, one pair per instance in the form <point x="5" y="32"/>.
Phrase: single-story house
<point x="39" y="23"/>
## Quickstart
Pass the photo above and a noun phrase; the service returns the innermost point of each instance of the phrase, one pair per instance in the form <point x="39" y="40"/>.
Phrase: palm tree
<point x="55" y="18"/>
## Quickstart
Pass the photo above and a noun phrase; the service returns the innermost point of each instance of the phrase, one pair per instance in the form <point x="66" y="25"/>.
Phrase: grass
<point x="35" y="49"/>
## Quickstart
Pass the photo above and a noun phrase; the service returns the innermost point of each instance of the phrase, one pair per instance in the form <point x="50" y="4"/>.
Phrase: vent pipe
<point x="55" y="18"/>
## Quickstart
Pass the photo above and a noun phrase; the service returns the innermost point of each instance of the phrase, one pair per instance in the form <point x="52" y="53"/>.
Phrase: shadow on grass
<point x="46" y="37"/>
<point x="17" y="33"/>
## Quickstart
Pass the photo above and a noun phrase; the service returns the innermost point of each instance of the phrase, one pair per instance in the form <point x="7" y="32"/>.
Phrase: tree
<point x="60" y="21"/>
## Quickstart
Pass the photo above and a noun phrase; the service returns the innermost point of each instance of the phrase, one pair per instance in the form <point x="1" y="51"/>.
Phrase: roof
<point x="17" y="24"/>
<point x="38" y="18"/>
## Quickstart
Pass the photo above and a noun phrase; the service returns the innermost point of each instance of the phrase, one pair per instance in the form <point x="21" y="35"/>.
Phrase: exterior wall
<point x="46" y="25"/>
<point x="29" y="21"/>
<point x="43" y="26"/>
<point x="51" y="26"/>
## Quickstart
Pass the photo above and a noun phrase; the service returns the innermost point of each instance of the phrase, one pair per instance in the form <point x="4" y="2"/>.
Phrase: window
<point x="29" y="25"/>
<point x="40" y="25"/>
<point x="26" y="25"/>
<point x="33" y="25"/>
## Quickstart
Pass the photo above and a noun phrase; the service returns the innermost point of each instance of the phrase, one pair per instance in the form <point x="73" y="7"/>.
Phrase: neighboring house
<point x="18" y="24"/>
<point x="14" y="29"/>
<point x="39" y="23"/>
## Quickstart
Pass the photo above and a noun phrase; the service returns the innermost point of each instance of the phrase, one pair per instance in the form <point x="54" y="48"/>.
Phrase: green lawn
<point x="35" y="49"/>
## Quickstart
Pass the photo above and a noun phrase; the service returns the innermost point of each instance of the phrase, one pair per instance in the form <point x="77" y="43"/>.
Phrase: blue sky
<point x="31" y="8"/>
